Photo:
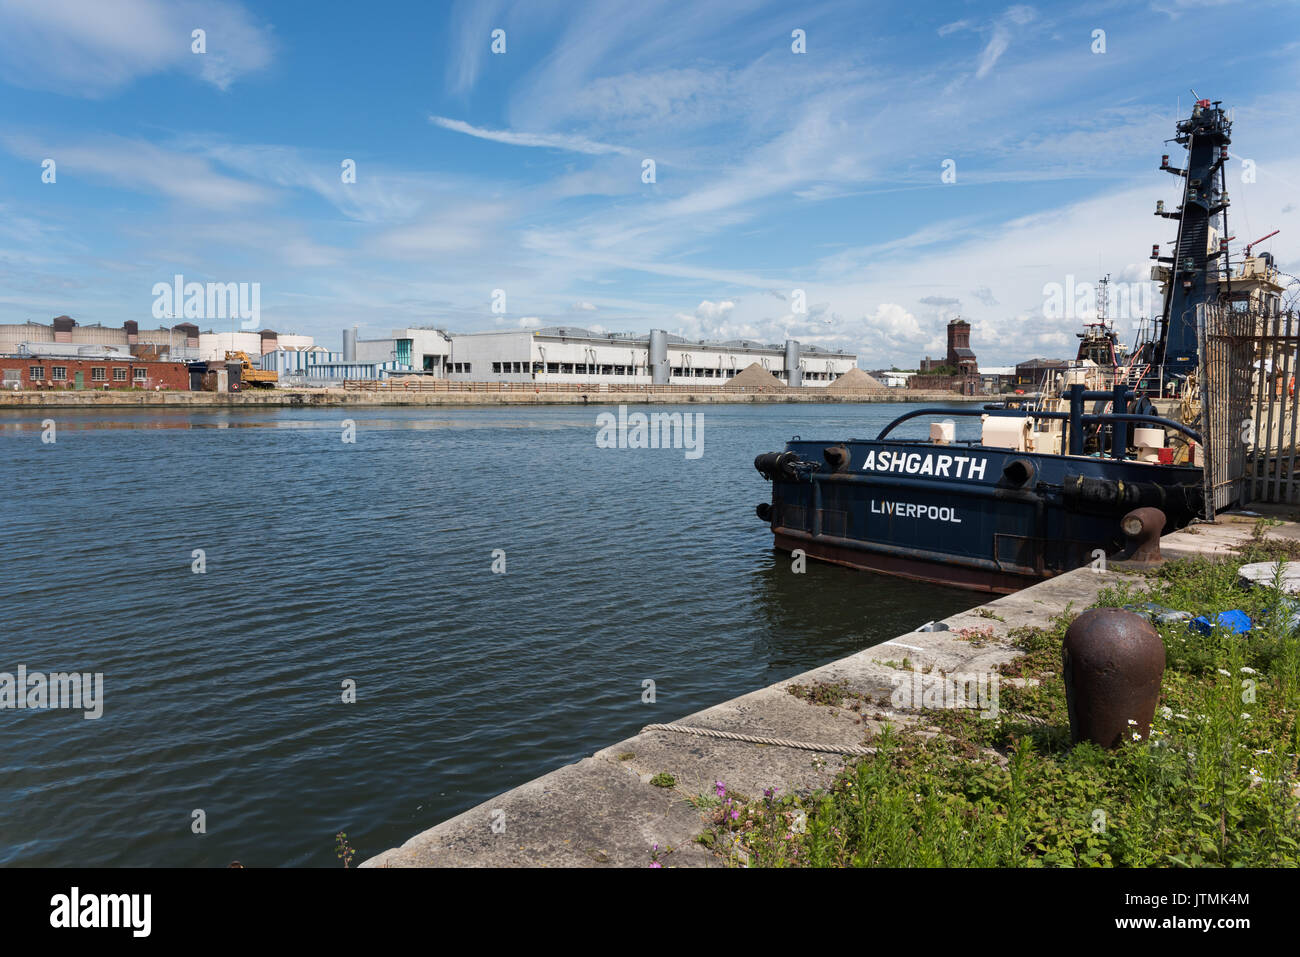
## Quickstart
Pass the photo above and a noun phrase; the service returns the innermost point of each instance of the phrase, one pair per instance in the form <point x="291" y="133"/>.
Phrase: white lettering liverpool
<point x="935" y="513"/>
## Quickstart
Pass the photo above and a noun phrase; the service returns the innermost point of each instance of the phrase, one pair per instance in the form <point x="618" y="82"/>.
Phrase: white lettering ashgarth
<point x="928" y="463"/>
<point x="935" y="513"/>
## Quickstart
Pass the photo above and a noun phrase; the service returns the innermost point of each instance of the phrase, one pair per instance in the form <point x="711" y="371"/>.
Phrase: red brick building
<point x="50" y="372"/>
<point x="959" y="357"/>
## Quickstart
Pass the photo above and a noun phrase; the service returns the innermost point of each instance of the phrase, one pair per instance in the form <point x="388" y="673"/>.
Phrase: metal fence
<point x="1248" y="402"/>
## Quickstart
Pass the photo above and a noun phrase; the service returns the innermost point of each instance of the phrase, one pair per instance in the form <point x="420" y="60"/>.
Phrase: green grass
<point x="1215" y="785"/>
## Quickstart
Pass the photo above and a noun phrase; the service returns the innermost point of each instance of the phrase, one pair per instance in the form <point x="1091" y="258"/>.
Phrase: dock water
<point x="603" y="810"/>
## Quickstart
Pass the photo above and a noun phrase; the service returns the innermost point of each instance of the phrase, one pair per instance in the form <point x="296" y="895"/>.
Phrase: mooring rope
<point x="759" y="739"/>
<point x="851" y="749"/>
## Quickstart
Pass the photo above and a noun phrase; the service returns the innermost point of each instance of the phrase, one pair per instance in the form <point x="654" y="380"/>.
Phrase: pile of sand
<point x="755" y="376"/>
<point x="855" y="380"/>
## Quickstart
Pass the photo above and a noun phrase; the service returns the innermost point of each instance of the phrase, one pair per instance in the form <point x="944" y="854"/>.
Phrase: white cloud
<point x="92" y="48"/>
<point x="893" y="322"/>
<point x="713" y="310"/>
<point x="142" y="167"/>
<point x="554" y="141"/>
<point x="993" y="50"/>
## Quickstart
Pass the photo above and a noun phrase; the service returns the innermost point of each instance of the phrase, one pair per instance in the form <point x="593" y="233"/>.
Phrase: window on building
<point x="139" y="375"/>
<point x="13" y="375"/>
<point x="496" y="367"/>
<point x="58" y="373"/>
<point x="36" y="372"/>
<point x="98" y="374"/>
<point x="119" y="375"/>
<point x="469" y="367"/>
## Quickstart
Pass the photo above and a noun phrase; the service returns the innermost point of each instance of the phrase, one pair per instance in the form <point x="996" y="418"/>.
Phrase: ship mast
<point x="1191" y="276"/>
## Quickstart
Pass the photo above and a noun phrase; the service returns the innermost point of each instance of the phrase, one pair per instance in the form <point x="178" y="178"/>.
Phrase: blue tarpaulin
<point x="1235" y="621"/>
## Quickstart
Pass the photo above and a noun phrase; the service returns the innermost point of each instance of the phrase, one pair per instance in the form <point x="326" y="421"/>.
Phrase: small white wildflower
<point x="1166" y="712"/>
<point x="1132" y="722"/>
<point x="1227" y="673"/>
<point x="1183" y="716"/>
<point x="1245" y="717"/>
<point x="1249" y="671"/>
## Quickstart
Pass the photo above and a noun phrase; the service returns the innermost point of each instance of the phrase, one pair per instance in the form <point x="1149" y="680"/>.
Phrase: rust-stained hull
<point x="938" y="572"/>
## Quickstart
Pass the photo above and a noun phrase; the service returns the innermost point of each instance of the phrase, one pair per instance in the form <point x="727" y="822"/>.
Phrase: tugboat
<point x="1044" y="489"/>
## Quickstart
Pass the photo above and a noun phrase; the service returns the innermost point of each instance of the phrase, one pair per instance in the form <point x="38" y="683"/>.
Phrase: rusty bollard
<point x="1142" y="528"/>
<point x="1114" y="661"/>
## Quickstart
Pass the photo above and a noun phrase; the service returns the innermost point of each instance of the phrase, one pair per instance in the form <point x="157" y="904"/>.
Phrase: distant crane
<point x="1249" y="246"/>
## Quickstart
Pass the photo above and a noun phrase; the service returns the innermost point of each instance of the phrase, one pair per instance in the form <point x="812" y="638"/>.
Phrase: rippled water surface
<point x="371" y="561"/>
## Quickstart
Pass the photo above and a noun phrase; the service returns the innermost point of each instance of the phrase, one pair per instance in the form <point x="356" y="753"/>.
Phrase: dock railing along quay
<point x="603" y="810"/>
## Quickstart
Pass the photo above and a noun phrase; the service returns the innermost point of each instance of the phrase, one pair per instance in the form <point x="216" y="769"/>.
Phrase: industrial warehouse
<point x="183" y="357"/>
<point x="567" y="354"/>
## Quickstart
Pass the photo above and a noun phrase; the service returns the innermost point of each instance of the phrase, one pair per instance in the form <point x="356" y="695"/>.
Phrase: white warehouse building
<point x="564" y="354"/>
<point x="571" y="354"/>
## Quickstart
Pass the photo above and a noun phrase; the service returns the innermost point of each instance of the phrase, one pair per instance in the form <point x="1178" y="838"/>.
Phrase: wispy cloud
<point x="93" y="48"/>
<point x="141" y="167"/>
<point x="553" y="141"/>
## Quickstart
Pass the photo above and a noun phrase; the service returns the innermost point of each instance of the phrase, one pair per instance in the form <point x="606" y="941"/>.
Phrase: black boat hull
<point x="975" y="517"/>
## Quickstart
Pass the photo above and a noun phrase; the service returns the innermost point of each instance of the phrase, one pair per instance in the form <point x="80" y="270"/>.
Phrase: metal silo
<point x="792" y="374"/>
<point x="659" y="368"/>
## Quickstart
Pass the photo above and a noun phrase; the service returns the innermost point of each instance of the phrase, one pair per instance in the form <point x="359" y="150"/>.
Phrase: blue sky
<point x="522" y="170"/>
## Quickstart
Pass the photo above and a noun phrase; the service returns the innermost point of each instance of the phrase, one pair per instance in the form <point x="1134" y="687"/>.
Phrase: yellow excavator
<point x="250" y="376"/>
